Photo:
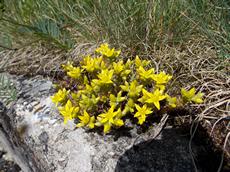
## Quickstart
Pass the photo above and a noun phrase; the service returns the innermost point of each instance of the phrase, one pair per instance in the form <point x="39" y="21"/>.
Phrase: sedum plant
<point x="104" y="91"/>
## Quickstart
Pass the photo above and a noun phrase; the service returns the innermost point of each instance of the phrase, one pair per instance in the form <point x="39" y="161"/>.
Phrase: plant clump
<point x="104" y="91"/>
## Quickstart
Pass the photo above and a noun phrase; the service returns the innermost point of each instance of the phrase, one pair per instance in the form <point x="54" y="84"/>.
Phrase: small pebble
<point x="43" y="137"/>
<point x="7" y="157"/>
<point x="25" y="103"/>
<point x="29" y="107"/>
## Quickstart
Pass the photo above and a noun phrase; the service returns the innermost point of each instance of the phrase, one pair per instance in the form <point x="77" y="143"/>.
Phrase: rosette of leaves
<point x="104" y="90"/>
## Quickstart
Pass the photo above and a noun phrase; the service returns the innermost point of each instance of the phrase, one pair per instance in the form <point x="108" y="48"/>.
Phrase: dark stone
<point x="43" y="137"/>
<point x="169" y="152"/>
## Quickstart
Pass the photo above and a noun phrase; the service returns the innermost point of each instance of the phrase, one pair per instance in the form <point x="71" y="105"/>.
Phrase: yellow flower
<point x="68" y="112"/>
<point x="153" y="98"/>
<point x="144" y="97"/>
<point x="88" y="64"/>
<point x="75" y="96"/>
<point x="95" y="84"/>
<point x="161" y="78"/>
<point x="125" y="73"/>
<point x="60" y="96"/>
<point x="114" y="101"/>
<point x="91" y="64"/>
<point x="145" y="74"/>
<point x="103" y="99"/>
<point x="95" y="63"/>
<point x="133" y="89"/>
<point x="161" y="87"/>
<point x="142" y="112"/>
<point x="142" y="63"/>
<point x="86" y="120"/>
<point x="75" y="72"/>
<point x="109" y="119"/>
<point x="191" y="96"/>
<point x="118" y="67"/>
<point x="85" y="81"/>
<point x="105" y="77"/>
<point x="68" y="66"/>
<point x="172" y="101"/>
<point x="99" y="63"/>
<point x="107" y="52"/>
<point x="128" y="107"/>
<point x="87" y="90"/>
<point x="128" y="64"/>
<point x="87" y="102"/>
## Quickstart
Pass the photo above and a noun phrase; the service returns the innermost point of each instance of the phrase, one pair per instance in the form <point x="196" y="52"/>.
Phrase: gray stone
<point x="43" y="137"/>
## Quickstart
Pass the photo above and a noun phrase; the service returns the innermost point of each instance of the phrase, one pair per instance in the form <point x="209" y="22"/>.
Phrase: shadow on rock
<point x="168" y="152"/>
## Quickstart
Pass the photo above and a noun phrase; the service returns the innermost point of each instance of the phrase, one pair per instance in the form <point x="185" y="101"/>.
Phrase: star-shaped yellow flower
<point x="115" y="100"/>
<point x="107" y="52"/>
<point x="172" y="101"/>
<point x="86" y="120"/>
<point x="118" y="67"/>
<point x="142" y="112"/>
<point x="68" y="66"/>
<point x="75" y="72"/>
<point x="145" y="74"/>
<point x="144" y="97"/>
<point x="139" y="62"/>
<point x="161" y="79"/>
<point x="68" y="112"/>
<point x="133" y="89"/>
<point x="60" y="96"/>
<point x="129" y="107"/>
<point x="88" y="102"/>
<point x="153" y="98"/>
<point x="191" y="95"/>
<point x="105" y="77"/>
<point x="128" y="64"/>
<point x="88" y="64"/>
<point x="110" y="118"/>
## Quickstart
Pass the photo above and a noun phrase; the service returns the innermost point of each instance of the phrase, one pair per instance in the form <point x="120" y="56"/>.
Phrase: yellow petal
<point x="79" y="125"/>
<point x="183" y="92"/>
<point x="137" y="114"/>
<point x="141" y="120"/>
<point x="91" y="122"/>
<point x="107" y="128"/>
<point x="198" y="98"/>
<point x="137" y="107"/>
<point x="118" y="122"/>
<point x="157" y="104"/>
<point x="192" y="91"/>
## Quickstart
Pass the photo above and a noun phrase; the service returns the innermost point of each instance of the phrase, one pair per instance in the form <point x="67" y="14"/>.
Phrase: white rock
<point x="7" y="157"/>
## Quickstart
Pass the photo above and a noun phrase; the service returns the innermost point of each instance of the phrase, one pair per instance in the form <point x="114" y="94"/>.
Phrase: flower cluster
<point x="105" y="90"/>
